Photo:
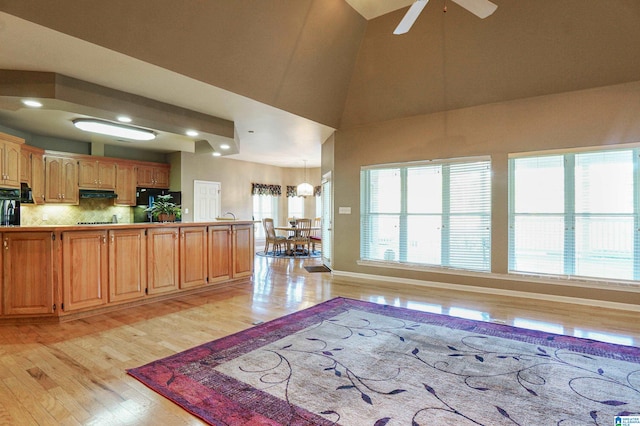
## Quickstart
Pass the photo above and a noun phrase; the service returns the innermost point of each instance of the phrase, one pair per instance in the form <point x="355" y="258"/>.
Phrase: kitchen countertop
<point x="108" y="226"/>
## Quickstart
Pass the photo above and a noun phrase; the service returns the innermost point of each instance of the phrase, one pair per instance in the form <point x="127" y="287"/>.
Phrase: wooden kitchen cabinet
<point x="153" y="176"/>
<point x="193" y="256"/>
<point x="126" y="184"/>
<point x="10" y="160"/>
<point x="61" y="180"/>
<point x="127" y="264"/>
<point x="84" y="269"/>
<point x="28" y="273"/>
<point x="37" y="177"/>
<point x="25" y="165"/>
<point x="96" y="174"/>
<point x="163" y="260"/>
<point x="219" y="253"/>
<point x="242" y="250"/>
<point x="32" y="171"/>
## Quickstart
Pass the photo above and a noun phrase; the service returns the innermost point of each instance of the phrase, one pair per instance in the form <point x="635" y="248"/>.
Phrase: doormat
<point x="320" y="268"/>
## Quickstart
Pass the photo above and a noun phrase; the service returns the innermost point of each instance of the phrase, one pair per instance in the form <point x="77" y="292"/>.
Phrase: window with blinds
<point x="436" y="213"/>
<point x="575" y="214"/>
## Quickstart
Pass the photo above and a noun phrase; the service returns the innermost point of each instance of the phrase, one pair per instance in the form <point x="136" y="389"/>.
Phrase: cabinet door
<point x="243" y="250"/>
<point x="87" y="174"/>
<point x="127" y="264"/>
<point x="28" y="273"/>
<point x="69" y="181"/>
<point x="25" y="166"/>
<point x="193" y="256"/>
<point x="126" y="185"/>
<point x="11" y="165"/>
<point x="219" y="253"/>
<point x="106" y="175"/>
<point x="145" y="176"/>
<point x="163" y="260"/>
<point x="37" y="178"/>
<point x="53" y="180"/>
<point x="161" y="177"/>
<point x="84" y="269"/>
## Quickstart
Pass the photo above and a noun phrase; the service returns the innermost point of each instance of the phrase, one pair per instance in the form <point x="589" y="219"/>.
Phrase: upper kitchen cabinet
<point x="96" y="174"/>
<point x="32" y="171"/>
<point x="125" y="184"/>
<point x="153" y="176"/>
<point x="25" y="165"/>
<point x="10" y="161"/>
<point x="61" y="180"/>
<point x="37" y="177"/>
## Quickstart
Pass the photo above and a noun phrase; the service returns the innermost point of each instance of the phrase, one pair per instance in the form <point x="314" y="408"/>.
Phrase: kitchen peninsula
<point x="56" y="273"/>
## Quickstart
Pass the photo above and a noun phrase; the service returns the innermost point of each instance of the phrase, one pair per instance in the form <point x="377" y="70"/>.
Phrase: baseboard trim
<point x="489" y="290"/>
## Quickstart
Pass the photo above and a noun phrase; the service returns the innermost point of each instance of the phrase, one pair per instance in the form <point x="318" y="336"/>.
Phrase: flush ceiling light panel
<point x="115" y="130"/>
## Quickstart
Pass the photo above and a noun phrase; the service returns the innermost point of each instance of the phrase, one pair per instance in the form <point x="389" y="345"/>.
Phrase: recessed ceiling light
<point x="192" y="133"/>
<point x="124" y="119"/>
<point x="31" y="103"/>
<point x="224" y="146"/>
<point x="111" y="129"/>
<point x="216" y="154"/>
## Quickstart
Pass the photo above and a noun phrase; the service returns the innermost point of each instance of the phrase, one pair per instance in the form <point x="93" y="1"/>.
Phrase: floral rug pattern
<point x="357" y="363"/>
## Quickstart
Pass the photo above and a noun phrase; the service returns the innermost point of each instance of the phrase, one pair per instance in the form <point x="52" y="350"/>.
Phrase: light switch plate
<point x="344" y="210"/>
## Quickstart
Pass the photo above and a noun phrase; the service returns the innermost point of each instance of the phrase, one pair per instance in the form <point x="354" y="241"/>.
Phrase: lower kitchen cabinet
<point x="127" y="264"/>
<point x="84" y="269"/>
<point x="193" y="256"/>
<point x="243" y="250"/>
<point x="163" y="260"/>
<point x="27" y="273"/>
<point x="63" y="271"/>
<point x="219" y="253"/>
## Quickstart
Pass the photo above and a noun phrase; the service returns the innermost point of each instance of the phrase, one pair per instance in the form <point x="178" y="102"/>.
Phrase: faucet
<point x="233" y="215"/>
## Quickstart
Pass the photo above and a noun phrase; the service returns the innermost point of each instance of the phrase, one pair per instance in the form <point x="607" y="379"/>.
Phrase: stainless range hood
<point x="97" y="193"/>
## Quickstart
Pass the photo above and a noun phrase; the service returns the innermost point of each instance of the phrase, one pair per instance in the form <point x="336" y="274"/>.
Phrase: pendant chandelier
<point x="304" y="189"/>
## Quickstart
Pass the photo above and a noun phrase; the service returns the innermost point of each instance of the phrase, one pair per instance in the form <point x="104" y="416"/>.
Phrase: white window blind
<point x="264" y="206"/>
<point x="432" y="213"/>
<point x="295" y="207"/>
<point x="575" y="214"/>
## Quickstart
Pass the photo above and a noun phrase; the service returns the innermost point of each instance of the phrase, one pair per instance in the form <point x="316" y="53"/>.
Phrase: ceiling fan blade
<point x="410" y="17"/>
<point x="480" y="8"/>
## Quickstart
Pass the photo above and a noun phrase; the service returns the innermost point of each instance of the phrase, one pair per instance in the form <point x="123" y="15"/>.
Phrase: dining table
<point x="294" y="231"/>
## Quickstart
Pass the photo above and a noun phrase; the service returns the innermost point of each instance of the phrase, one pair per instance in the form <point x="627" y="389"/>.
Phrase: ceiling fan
<point x="480" y="8"/>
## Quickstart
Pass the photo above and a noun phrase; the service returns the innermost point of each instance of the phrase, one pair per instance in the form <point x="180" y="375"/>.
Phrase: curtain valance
<point x="265" y="189"/>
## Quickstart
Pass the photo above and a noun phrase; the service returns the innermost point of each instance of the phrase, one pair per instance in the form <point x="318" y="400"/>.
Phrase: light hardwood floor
<point x="74" y="373"/>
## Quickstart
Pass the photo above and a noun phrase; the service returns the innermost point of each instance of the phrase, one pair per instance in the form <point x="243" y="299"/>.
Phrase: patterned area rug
<point x="357" y="363"/>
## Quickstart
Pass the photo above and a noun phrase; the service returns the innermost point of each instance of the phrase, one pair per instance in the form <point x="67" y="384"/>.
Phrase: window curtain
<point x="265" y="189"/>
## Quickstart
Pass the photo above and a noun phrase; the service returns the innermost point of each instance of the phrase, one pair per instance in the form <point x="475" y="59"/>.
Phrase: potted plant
<point x="164" y="210"/>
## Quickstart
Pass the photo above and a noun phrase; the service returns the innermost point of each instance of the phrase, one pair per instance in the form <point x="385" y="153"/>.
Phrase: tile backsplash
<point x="89" y="210"/>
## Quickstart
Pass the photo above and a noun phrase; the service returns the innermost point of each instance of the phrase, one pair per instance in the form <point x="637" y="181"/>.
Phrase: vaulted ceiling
<point x="286" y="74"/>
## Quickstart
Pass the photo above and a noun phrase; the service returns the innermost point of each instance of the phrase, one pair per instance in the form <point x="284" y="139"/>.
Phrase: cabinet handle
<point x="6" y="244"/>
<point x="112" y="238"/>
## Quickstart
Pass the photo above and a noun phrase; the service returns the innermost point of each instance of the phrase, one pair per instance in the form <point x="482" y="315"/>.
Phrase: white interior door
<point x="206" y="200"/>
<point x="327" y="220"/>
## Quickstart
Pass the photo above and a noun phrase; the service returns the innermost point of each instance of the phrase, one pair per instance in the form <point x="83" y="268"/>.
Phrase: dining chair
<point x="316" y="234"/>
<point x="302" y="238"/>
<point x="270" y="237"/>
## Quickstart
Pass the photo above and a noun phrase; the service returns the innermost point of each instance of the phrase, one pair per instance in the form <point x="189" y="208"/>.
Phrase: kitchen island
<point x="55" y="273"/>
